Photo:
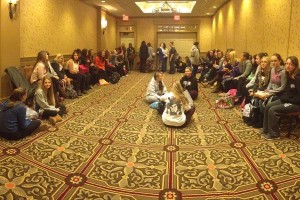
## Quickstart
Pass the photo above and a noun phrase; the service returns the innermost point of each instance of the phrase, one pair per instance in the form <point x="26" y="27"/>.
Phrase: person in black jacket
<point x="289" y="102"/>
<point x="190" y="83"/>
<point x="143" y="56"/>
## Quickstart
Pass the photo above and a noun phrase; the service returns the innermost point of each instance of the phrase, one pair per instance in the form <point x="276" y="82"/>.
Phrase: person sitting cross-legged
<point x="178" y="111"/>
<point x="190" y="83"/>
<point x="13" y="121"/>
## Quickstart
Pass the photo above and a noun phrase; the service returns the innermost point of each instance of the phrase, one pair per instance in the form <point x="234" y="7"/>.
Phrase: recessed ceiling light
<point x="208" y="13"/>
<point x="214" y="7"/>
<point x="103" y="1"/>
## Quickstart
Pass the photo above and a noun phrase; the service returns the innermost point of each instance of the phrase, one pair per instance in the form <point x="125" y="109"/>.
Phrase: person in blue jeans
<point x="13" y="122"/>
<point x="289" y="102"/>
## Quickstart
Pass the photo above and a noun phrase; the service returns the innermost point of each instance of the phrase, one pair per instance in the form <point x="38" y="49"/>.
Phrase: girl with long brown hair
<point x="45" y="102"/>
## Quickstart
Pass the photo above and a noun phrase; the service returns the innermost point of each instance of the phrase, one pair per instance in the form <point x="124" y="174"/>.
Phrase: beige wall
<point x="9" y="45"/>
<point x="258" y="26"/>
<point x="146" y="29"/>
<point x="57" y="26"/>
<point x="108" y="39"/>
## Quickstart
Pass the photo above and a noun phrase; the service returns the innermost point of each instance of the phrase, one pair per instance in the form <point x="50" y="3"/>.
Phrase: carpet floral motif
<point x="112" y="146"/>
<point x="130" y="168"/>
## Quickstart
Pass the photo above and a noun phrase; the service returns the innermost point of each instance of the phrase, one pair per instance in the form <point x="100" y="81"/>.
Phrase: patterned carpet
<point x="112" y="146"/>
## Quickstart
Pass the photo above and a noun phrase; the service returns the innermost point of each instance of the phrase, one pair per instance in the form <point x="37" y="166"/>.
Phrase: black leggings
<point x="51" y="113"/>
<point x="22" y="133"/>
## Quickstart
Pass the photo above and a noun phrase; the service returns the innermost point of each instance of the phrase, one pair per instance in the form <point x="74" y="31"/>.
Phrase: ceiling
<point x="119" y="8"/>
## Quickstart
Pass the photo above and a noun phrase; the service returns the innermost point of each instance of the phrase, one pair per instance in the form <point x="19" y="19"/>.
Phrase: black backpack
<point x="114" y="78"/>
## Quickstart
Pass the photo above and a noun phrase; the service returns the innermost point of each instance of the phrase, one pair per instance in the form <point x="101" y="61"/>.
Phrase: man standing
<point x="195" y="57"/>
<point x="172" y="57"/>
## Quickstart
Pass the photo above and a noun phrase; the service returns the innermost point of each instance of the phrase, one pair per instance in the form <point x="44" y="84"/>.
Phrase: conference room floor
<point x="111" y="145"/>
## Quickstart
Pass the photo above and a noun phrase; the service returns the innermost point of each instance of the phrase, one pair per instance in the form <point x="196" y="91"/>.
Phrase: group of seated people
<point x="181" y="64"/>
<point x="269" y="84"/>
<point x="82" y="68"/>
<point x="18" y="120"/>
<point x="176" y="106"/>
<point x="52" y="82"/>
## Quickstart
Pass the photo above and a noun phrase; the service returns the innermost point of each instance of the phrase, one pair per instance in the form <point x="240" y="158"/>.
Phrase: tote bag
<point x="188" y="96"/>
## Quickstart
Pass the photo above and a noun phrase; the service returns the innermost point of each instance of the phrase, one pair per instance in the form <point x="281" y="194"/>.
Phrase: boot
<point x="255" y="117"/>
<point x="218" y="88"/>
<point x="259" y="123"/>
<point x="55" y="119"/>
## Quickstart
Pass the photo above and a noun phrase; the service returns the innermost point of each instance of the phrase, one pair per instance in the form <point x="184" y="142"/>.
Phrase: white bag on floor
<point x="188" y="96"/>
<point x="31" y="114"/>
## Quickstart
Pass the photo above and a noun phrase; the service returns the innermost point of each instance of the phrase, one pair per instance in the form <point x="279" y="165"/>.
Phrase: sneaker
<point x="79" y="93"/>
<point x="269" y="138"/>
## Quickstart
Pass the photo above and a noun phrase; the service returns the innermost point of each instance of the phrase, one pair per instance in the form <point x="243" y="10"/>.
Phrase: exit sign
<point x="176" y="17"/>
<point x="125" y="18"/>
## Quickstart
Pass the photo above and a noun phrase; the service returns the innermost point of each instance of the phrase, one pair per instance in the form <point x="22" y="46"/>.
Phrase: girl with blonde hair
<point x="178" y="111"/>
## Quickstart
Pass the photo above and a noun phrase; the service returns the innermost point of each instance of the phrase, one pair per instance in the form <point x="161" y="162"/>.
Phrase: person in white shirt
<point x="178" y="111"/>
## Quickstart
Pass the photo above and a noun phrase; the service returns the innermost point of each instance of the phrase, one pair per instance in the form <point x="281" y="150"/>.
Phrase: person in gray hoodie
<point x="156" y="88"/>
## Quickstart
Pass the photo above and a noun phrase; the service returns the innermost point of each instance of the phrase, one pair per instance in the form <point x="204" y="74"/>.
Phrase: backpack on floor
<point x="114" y="78"/>
<point x="70" y="92"/>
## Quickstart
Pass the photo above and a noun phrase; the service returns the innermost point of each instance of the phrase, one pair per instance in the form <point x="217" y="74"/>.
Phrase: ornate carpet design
<point x="112" y="146"/>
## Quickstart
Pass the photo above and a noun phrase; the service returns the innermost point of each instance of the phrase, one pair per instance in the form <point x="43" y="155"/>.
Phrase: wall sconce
<point x="103" y="25"/>
<point x="12" y="5"/>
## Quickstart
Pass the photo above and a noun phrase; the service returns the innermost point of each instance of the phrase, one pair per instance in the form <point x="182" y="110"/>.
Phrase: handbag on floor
<point x="114" y="78"/>
<point x="83" y="69"/>
<point x="70" y="92"/>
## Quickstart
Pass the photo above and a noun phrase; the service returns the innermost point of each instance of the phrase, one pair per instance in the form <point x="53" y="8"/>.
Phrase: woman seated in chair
<point x="45" y="103"/>
<point x="13" y="121"/>
<point x="178" y="112"/>
<point x="259" y="84"/>
<point x="73" y="73"/>
<point x="289" y="101"/>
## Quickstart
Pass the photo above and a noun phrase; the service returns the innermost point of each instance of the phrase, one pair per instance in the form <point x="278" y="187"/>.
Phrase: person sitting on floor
<point x="156" y="88"/>
<point x="45" y="103"/>
<point x="180" y="65"/>
<point x="178" y="111"/>
<point x="13" y="121"/>
<point x="190" y="83"/>
<point x="289" y="101"/>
